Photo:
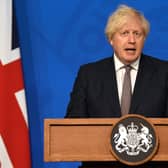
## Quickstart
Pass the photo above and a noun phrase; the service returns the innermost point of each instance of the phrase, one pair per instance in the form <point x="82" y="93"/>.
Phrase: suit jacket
<point x="95" y="92"/>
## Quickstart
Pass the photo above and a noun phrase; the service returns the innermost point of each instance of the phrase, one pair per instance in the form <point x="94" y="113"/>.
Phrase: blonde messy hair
<point x="117" y="20"/>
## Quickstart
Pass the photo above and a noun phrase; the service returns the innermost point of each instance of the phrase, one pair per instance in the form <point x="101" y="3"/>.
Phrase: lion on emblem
<point x="121" y="138"/>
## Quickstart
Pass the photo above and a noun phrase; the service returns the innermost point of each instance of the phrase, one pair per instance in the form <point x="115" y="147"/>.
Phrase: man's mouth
<point x="130" y="49"/>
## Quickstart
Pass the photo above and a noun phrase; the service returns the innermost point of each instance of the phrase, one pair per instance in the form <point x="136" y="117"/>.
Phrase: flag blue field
<point x="56" y="38"/>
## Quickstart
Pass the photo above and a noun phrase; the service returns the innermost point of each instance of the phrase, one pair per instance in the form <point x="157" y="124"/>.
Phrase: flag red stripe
<point x="13" y="127"/>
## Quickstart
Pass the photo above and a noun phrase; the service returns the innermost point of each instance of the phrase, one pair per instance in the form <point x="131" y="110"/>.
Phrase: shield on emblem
<point x="134" y="140"/>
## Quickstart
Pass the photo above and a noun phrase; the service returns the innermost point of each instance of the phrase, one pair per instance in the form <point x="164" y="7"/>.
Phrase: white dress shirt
<point x="120" y="71"/>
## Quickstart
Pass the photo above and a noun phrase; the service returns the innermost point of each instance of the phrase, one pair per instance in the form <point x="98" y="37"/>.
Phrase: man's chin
<point x="130" y="60"/>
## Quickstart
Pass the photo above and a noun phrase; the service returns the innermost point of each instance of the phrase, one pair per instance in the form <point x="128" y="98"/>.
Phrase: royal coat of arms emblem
<point x="133" y="140"/>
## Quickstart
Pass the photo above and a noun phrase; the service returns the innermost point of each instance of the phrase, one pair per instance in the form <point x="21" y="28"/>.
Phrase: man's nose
<point x="131" y="38"/>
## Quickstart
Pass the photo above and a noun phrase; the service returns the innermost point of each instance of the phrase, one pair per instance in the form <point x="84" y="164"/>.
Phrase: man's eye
<point x="138" y="34"/>
<point x="125" y="33"/>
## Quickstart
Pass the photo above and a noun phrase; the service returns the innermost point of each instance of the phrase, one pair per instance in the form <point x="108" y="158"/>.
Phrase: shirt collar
<point x="119" y="64"/>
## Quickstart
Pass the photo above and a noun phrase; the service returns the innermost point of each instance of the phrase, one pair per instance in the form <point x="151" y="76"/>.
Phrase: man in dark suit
<point x="95" y="91"/>
<point x="98" y="87"/>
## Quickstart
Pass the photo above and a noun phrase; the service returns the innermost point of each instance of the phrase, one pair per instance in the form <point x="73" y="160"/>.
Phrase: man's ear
<point x="111" y="42"/>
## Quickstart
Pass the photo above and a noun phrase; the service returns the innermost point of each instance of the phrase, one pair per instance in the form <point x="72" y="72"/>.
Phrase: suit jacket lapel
<point x="113" y="91"/>
<point x="144" y="75"/>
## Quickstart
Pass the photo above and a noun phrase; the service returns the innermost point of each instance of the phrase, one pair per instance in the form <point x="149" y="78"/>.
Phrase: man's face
<point x="128" y="41"/>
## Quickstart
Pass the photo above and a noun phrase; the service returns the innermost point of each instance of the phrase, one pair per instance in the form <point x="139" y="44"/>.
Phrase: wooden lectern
<point x="89" y="139"/>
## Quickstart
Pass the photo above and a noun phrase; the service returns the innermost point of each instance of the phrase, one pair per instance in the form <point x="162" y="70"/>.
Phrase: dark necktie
<point x="126" y="91"/>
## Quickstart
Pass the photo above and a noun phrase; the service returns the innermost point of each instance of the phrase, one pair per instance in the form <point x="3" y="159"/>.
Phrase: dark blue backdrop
<point x="56" y="38"/>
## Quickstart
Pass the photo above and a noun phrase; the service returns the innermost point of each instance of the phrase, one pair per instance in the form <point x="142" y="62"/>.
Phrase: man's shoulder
<point x="155" y="60"/>
<point x="102" y="63"/>
<point x="97" y="68"/>
<point x="156" y="63"/>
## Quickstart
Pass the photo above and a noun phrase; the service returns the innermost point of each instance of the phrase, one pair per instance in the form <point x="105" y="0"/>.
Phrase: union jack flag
<point x="14" y="132"/>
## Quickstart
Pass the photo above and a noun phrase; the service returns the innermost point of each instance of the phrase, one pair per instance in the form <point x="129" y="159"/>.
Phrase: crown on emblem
<point x="132" y="128"/>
